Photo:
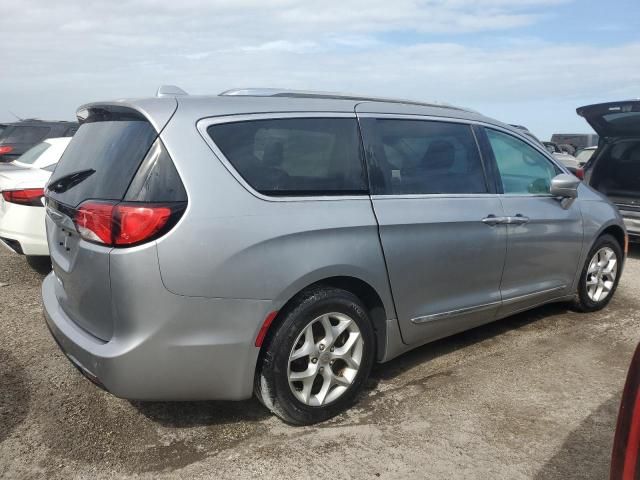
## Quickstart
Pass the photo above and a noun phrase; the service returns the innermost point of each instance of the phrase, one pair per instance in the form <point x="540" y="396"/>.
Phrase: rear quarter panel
<point x="232" y="244"/>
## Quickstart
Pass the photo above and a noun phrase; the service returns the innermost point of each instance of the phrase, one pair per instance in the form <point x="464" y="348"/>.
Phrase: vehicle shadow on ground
<point x="461" y="340"/>
<point x="207" y="413"/>
<point x="14" y="394"/>
<point x="202" y="413"/>
<point x="586" y="453"/>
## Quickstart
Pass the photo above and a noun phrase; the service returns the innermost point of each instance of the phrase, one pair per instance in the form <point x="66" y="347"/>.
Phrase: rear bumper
<point x="196" y="349"/>
<point x="22" y="229"/>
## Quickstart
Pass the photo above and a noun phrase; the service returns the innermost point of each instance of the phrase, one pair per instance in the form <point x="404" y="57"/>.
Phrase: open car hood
<point x="613" y="119"/>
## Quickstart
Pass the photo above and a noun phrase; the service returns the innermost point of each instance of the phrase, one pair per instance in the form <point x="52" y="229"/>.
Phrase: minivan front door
<point x="544" y="233"/>
<point x="438" y="222"/>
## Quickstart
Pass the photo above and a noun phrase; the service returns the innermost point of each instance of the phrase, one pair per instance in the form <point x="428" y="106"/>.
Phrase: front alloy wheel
<point x="601" y="275"/>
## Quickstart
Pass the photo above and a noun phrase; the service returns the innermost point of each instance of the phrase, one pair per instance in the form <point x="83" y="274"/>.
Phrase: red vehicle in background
<point x="625" y="461"/>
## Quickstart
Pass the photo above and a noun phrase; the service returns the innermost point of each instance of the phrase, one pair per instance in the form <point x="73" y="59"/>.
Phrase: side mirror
<point x="565" y="185"/>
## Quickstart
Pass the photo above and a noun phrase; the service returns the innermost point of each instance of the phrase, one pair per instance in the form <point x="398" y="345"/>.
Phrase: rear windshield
<point x="101" y="160"/>
<point x="25" y="134"/>
<point x="33" y="153"/>
<point x="294" y="156"/>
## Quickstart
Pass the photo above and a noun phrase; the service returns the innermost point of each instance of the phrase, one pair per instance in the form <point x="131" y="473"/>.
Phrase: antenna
<point x="19" y="119"/>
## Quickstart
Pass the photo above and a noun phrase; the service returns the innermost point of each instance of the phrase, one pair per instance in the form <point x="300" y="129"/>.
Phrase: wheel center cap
<point x="325" y="357"/>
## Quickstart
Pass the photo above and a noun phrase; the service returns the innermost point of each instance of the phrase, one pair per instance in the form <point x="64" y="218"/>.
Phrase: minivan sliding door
<point x="438" y="222"/>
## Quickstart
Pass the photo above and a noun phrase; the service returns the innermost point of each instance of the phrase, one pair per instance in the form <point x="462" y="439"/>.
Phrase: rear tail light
<point x="580" y="173"/>
<point x="625" y="462"/>
<point x="28" y="196"/>
<point x="5" y="149"/>
<point x="125" y="224"/>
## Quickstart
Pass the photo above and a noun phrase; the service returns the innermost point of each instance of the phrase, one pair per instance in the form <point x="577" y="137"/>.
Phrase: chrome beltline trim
<point x="453" y="313"/>
<point x="480" y="308"/>
<point x="511" y="300"/>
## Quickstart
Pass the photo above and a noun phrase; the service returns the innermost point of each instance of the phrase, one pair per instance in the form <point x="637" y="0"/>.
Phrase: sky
<point x="530" y="62"/>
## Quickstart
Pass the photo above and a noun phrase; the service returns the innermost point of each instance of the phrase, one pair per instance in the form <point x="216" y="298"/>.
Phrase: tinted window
<point x="101" y="160"/>
<point x="427" y="157"/>
<point x="25" y="134"/>
<point x="33" y="153"/>
<point x="294" y="156"/>
<point x="522" y="168"/>
<point x="157" y="179"/>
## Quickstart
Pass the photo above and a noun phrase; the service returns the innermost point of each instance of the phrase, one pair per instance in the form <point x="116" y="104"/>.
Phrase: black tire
<point x="39" y="263"/>
<point x="272" y="383"/>
<point x="583" y="302"/>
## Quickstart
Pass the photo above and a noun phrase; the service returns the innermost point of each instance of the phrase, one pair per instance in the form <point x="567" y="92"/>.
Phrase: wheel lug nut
<point x="331" y="349"/>
<point x="314" y="360"/>
<point x="321" y="347"/>
<point x="331" y="362"/>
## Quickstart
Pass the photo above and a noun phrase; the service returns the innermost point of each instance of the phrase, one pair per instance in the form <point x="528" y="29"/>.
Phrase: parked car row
<point x="17" y="138"/>
<point x="22" y="183"/>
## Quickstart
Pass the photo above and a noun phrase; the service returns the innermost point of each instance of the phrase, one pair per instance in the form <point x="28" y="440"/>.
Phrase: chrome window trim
<point x="416" y="196"/>
<point x="485" y="306"/>
<point x="203" y="124"/>
<point x="206" y="122"/>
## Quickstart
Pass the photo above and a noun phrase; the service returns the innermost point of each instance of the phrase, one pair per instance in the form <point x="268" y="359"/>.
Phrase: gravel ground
<point x="532" y="396"/>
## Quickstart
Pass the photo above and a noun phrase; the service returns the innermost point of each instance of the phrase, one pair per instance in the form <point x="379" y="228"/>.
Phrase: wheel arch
<point x="612" y="228"/>
<point x="362" y="289"/>
<point x="617" y="232"/>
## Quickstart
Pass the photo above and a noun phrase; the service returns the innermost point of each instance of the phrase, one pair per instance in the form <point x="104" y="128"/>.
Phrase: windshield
<point x="31" y="155"/>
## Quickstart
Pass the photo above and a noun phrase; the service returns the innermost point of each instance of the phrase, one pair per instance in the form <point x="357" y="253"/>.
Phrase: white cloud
<point x="69" y="52"/>
<point x="282" y="46"/>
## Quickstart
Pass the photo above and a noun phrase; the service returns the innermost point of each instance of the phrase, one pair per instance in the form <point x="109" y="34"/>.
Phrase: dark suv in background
<point x="614" y="168"/>
<point x="17" y="138"/>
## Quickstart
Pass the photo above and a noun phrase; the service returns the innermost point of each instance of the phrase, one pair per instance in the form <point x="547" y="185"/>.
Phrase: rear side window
<point x="294" y="156"/>
<point x="523" y="170"/>
<point x="101" y="160"/>
<point x="25" y="134"/>
<point x="33" y="153"/>
<point x="424" y="157"/>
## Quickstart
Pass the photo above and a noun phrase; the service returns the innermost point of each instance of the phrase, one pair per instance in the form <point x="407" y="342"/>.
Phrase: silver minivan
<point x="281" y="242"/>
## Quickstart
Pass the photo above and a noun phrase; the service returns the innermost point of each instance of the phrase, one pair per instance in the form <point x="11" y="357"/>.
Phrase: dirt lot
<point x="533" y="396"/>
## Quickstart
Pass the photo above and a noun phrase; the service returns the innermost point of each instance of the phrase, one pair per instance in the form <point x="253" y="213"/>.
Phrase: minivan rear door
<point x="99" y="165"/>
<point x="614" y="119"/>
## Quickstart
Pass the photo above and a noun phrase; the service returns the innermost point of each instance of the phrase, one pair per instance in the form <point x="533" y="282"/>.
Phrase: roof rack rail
<point x="170" y="91"/>
<point x="277" y="92"/>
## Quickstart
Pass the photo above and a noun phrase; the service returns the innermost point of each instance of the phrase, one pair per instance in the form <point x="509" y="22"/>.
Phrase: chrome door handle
<point x="492" y="220"/>
<point x="518" y="220"/>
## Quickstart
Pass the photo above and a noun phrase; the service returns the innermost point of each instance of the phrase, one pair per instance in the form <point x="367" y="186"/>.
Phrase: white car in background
<point x="585" y="154"/>
<point x="22" y="213"/>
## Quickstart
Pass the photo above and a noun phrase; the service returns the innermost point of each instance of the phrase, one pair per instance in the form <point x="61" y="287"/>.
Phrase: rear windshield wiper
<point x="65" y="182"/>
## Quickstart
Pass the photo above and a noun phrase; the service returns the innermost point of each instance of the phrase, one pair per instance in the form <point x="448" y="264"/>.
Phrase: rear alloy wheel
<point x="316" y="361"/>
<point x="325" y="359"/>
<point x="600" y="275"/>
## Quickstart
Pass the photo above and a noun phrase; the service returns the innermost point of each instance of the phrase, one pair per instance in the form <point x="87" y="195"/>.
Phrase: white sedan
<point x="22" y="182"/>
